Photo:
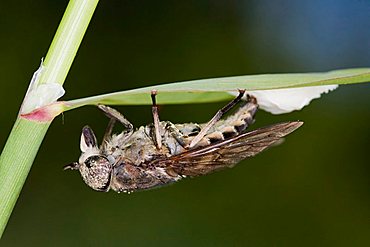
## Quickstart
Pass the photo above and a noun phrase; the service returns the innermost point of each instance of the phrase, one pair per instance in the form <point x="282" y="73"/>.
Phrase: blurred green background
<point x="311" y="191"/>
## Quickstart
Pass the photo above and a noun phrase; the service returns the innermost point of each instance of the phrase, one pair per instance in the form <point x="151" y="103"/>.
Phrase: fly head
<point x="95" y="167"/>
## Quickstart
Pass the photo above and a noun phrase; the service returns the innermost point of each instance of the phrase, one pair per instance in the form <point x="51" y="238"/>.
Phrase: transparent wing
<point x="226" y="153"/>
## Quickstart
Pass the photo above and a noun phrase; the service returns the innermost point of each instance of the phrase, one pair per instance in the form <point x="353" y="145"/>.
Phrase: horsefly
<point x="163" y="153"/>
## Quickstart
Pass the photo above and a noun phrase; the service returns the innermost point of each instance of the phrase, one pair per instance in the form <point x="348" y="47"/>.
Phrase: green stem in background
<point x="26" y="136"/>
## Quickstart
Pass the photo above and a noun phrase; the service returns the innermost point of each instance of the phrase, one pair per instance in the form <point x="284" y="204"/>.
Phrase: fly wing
<point x="228" y="152"/>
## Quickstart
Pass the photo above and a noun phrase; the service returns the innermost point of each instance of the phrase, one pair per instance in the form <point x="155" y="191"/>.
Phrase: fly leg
<point x="114" y="116"/>
<point x="176" y="134"/>
<point x="158" y="138"/>
<point x="215" y="119"/>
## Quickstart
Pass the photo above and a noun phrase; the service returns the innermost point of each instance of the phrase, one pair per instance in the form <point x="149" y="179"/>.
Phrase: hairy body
<point x="162" y="153"/>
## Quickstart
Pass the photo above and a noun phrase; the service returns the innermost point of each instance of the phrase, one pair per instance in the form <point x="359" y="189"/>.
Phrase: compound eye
<point x="91" y="161"/>
<point x="96" y="172"/>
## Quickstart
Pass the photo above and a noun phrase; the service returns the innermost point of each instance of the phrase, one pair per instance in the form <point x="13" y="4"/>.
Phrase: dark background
<point x="311" y="191"/>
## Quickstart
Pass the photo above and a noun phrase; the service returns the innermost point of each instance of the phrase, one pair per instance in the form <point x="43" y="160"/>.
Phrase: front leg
<point x="114" y="116"/>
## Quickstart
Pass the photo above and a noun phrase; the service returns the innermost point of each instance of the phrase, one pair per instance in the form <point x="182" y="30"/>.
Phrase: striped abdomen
<point x="233" y="125"/>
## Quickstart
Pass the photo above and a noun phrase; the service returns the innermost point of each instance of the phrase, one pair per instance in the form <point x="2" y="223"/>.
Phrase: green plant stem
<point x="26" y="136"/>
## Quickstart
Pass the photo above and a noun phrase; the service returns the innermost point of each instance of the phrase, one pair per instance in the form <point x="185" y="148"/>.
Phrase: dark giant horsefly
<point x="162" y="153"/>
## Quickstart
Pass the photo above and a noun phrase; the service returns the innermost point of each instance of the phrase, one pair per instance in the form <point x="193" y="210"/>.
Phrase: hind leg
<point x="216" y="118"/>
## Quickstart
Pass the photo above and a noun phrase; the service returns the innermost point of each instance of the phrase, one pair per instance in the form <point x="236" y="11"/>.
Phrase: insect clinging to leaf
<point x="162" y="152"/>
